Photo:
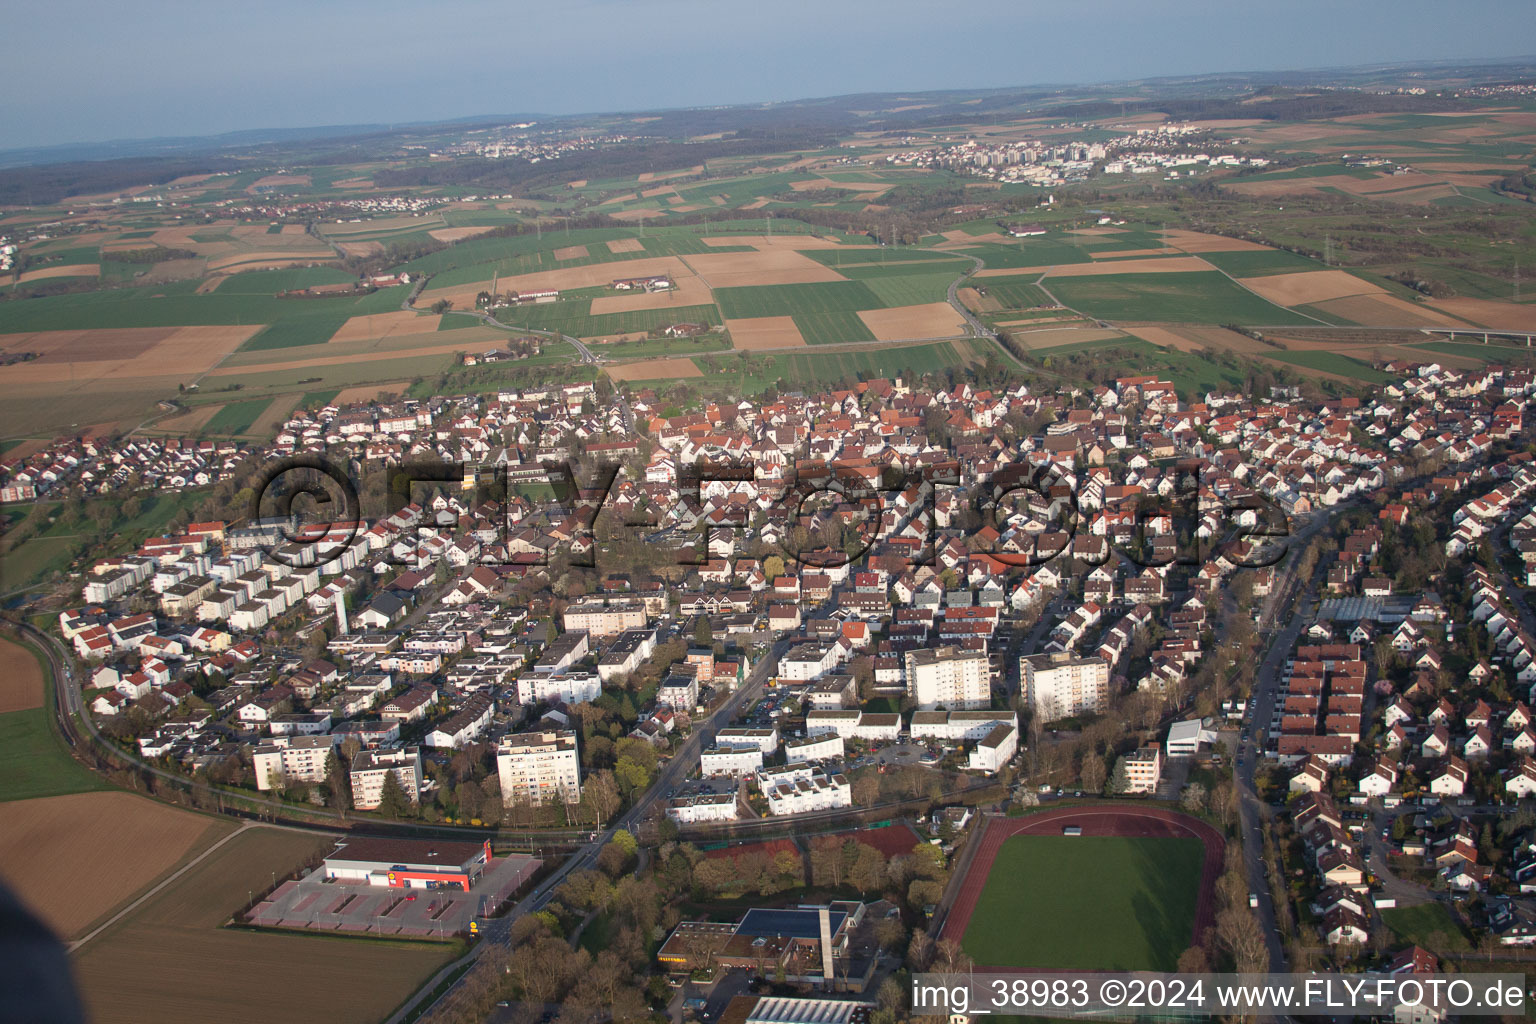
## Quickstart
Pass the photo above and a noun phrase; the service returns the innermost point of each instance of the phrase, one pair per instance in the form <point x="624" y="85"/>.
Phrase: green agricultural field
<point x="1191" y="373"/>
<point x="1259" y="262"/>
<point x="912" y="289"/>
<point x="270" y="282"/>
<point x="1028" y="254"/>
<point x="311" y="330"/>
<point x="1333" y="362"/>
<point x="1114" y="903"/>
<point x="824" y="367"/>
<point x="1492" y="353"/>
<point x="844" y="261"/>
<point x="948" y="269"/>
<point x="237" y="417"/>
<point x="790" y="299"/>
<point x="574" y="319"/>
<point x="832" y="328"/>
<point x="1199" y="297"/>
<point x="166" y="307"/>
<point x="1014" y="294"/>
<point x="1327" y="170"/>
<point x="313" y="400"/>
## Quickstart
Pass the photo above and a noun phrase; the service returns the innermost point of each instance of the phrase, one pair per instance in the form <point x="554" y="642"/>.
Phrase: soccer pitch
<point x="1087" y="902"/>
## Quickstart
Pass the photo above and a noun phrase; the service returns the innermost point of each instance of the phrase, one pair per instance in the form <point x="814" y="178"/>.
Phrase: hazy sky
<point x="92" y="70"/>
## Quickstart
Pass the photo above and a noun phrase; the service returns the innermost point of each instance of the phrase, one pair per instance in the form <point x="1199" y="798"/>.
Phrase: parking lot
<point x="314" y="903"/>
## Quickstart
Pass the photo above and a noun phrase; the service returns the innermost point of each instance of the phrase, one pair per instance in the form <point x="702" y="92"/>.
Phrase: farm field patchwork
<point x="144" y="966"/>
<point x="1117" y="903"/>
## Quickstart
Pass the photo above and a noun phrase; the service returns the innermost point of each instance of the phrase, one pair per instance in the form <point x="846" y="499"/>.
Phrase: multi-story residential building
<point x="540" y="767"/>
<point x="570" y="687"/>
<point x="464" y="726"/>
<point x="292" y="759"/>
<point x="627" y="653"/>
<point x="1059" y="686"/>
<point x="1142" y="769"/>
<point x="995" y="749"/>
<point x="605" y="617"/>
<point x="766" y="740"/>
<point x="733" y="761"/>
<point x="690" y="810"/>
<point x="816" y="792"/>
<point x="949" y="677"/>
<point x="370" y="767"/>
<point x="825" y="747"/>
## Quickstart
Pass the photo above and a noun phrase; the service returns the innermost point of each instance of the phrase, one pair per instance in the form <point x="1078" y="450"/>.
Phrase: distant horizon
<point x="147" y="74"/>
<point x="318" y="130"/>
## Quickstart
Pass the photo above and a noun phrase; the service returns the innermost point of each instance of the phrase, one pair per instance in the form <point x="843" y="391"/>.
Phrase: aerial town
<point x="567" y="534"/>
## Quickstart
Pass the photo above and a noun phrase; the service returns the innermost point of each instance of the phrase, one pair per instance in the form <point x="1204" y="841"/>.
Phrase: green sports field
<point x="1086" y="903"/>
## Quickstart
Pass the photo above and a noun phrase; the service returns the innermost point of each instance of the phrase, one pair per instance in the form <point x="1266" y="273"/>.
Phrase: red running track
<point x="1094" y="821"/>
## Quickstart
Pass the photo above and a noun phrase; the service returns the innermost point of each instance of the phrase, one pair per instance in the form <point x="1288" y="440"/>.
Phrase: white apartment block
<point x="766" y="740"/>
<point x="370" y="767"/>
<point x="541" y="767"/>
<point x="733" y="761"/>
<point x="995" y="749"/>
<point x="628" y="652"/>
<point x="294" y="759"/>
<point x="956" y="726"/>
<point x="679" y="692"/>
<point x="839" y="723"/>
<point x="570" y="687"/>
<point x="604" y="618"/>
<point x="1060" y="686"/>
<point x="691" y="810"/>
<point x="814" y="748"/>
<point x="783" y="774"/>
<point x="808" y="661"/>
<point x="817" y="793"/>
<point x="1143" y="769"/>
<point x="950" y="677"/>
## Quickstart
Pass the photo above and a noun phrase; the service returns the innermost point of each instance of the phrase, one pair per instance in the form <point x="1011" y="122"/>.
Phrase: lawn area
<point x="33" y="762"/>
<point x="1333" y="362"/>
<point x="1114" y="903"/>
<point x="1198" y="296"/>
<point x="1430" y="925"/>
<point x="33" y="560"/>
<point x="32" y="757"/>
